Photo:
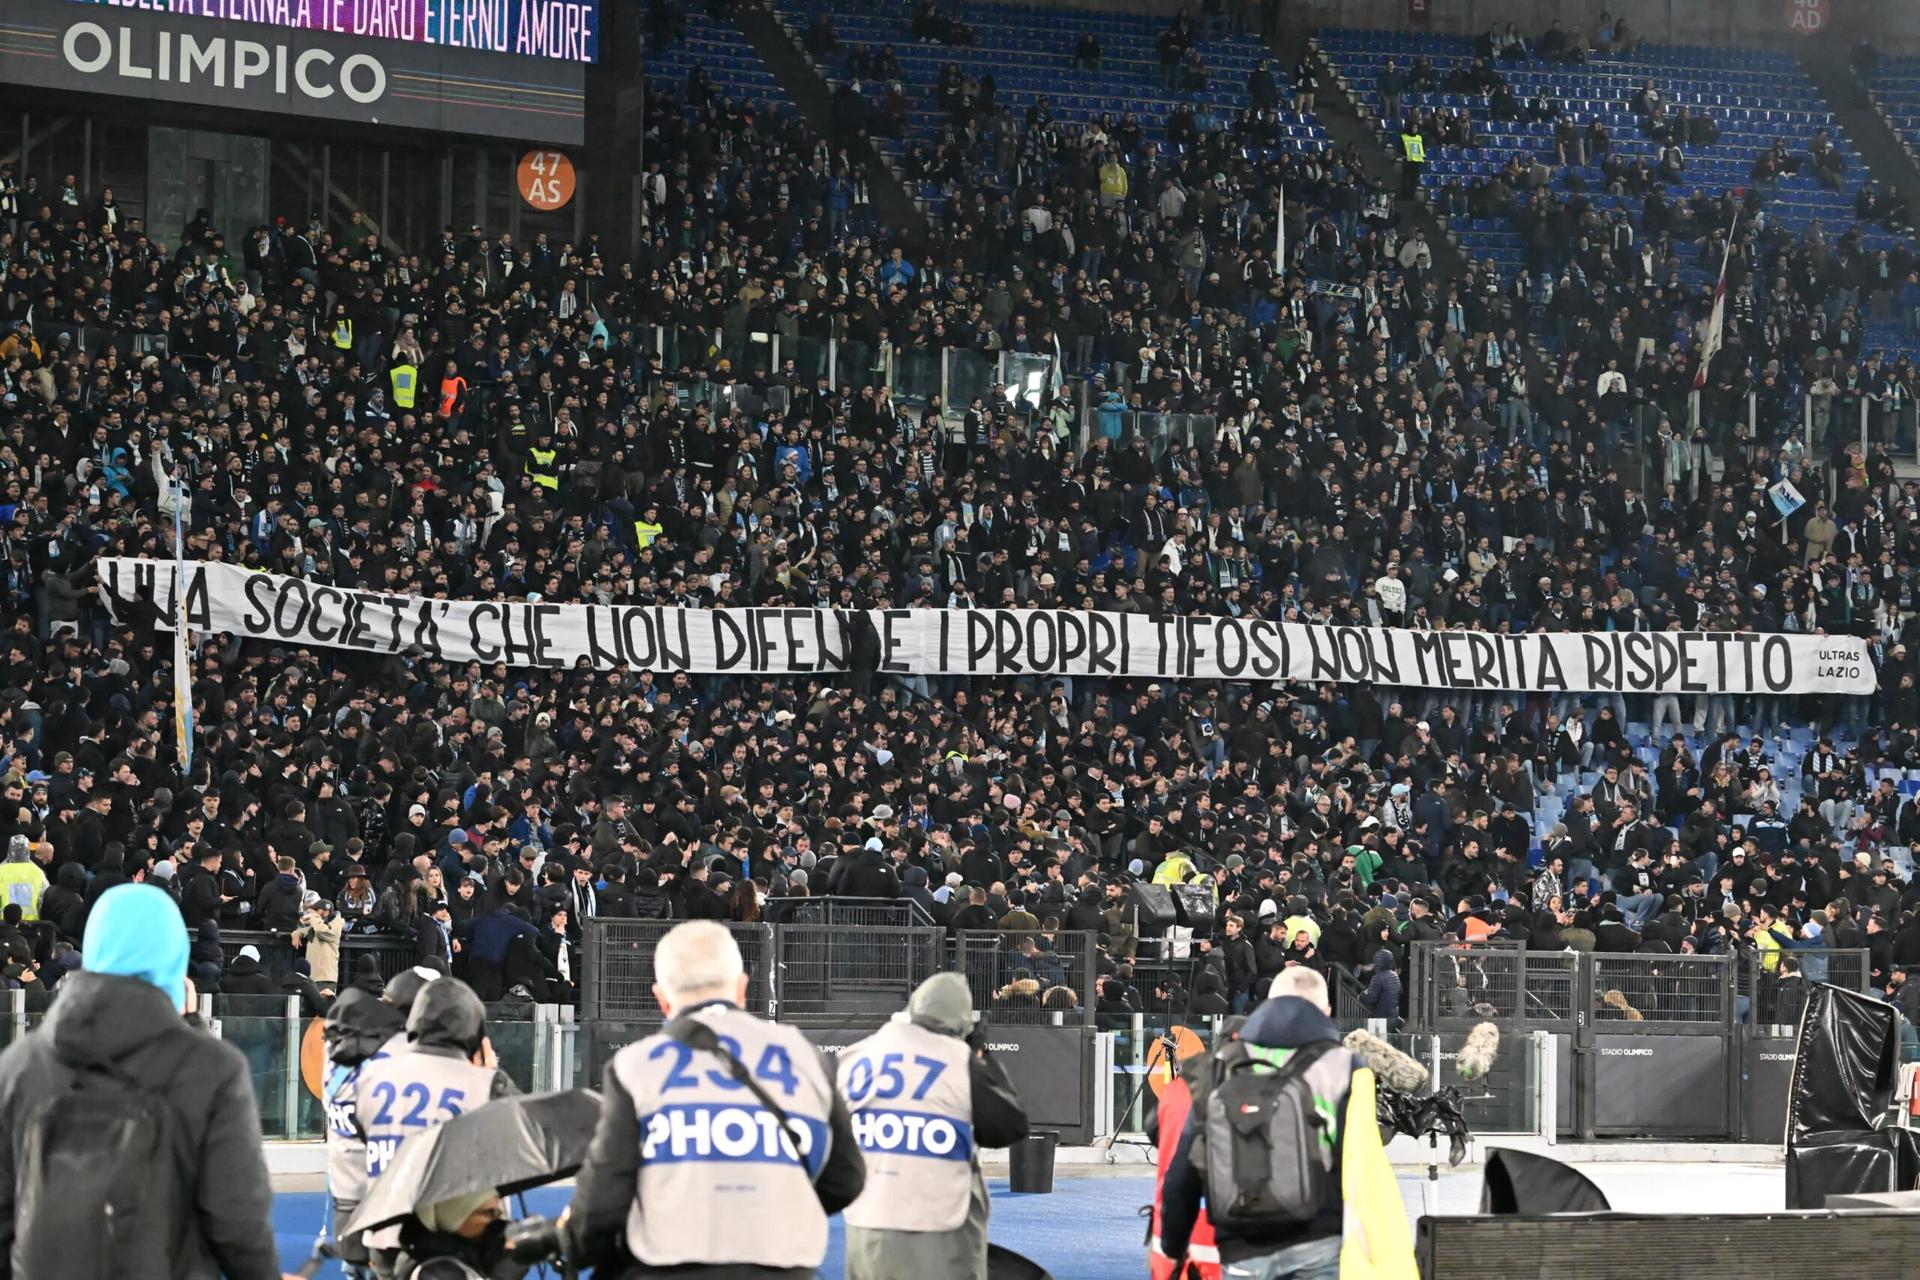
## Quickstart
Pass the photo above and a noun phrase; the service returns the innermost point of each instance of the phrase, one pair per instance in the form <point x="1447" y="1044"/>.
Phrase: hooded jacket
<point x="357" y="1025"/>
<point x="1285" y="1022"/>
<point x="124" y="1011"/>
<point x="245" y="977"/>
<point x="64" y="905"/>
<point x="1383" y="989"/>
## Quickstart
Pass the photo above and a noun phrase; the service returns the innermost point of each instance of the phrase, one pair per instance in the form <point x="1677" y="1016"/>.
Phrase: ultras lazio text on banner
<point x="991" y="642"/>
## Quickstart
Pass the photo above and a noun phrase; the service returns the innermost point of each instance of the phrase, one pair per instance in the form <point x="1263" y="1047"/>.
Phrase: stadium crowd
<point x="485" y="418"/>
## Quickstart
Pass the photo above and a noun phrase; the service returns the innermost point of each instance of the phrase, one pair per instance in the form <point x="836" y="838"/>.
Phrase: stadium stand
<point x="699" y="54"/>
<point x="1029" y="62"/>
<point x="1349" y="409"/>
<point x="1757" y="102"/>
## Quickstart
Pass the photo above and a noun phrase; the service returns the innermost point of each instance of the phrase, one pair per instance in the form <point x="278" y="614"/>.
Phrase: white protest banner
<point x="990" y="642"/>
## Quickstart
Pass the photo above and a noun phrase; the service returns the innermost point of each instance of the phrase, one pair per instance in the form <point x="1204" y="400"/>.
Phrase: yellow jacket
<point x="1173" y="869"/>
<point x="1113" y="179"/>
<point x="21" y="884"/>
<point x="1376" y="1243"/>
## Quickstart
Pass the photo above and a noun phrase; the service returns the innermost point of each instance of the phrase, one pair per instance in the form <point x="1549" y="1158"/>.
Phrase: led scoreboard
<point x="564" y="29"/>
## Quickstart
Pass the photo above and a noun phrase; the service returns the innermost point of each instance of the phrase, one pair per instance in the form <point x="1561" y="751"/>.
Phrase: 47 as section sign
<point x="546" y="180"/>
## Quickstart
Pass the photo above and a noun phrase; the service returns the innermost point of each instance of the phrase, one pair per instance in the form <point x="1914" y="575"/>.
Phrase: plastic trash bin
<point x="1030" y="1164"/>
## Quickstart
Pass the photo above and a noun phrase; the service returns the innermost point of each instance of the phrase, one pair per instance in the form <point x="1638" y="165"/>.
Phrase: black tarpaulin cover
<point x="1005" y="1264"/>
<point x="1833" y="1164"/>
<point x="508" y="1146"/>
<point x="1843" y="1078"/>
<point x="1522" y="1183"/>
<point x="1845" y="1065"/>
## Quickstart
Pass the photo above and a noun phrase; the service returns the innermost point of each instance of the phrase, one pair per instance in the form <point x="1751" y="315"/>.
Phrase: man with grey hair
<point x="723" y="1146"/>
<point x="1307" y="984"/>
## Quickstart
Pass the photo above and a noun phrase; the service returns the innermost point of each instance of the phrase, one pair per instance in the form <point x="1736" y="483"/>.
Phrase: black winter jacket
<point x="220" y="1188"/>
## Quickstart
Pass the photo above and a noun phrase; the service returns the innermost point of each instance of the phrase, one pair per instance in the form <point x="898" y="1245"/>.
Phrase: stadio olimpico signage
<point x="314" y="75"/>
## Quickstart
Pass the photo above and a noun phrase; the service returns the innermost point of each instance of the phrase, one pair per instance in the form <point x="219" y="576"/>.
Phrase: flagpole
<point x="182" y="645"/>
<point x="1280" y="237"/>
<point x="1716" y="326"/>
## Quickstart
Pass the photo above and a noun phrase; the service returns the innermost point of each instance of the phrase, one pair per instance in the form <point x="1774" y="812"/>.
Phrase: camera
<point x="535" y="1239"/>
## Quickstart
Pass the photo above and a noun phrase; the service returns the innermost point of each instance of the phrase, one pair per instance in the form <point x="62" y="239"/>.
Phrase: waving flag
<point x="1717" y="323"/>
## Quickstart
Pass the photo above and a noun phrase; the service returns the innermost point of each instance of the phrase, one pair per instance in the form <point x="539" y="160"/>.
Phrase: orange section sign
<point x="313" y="1058"/>
<point x="1160" y="1068"/>
<point x="546" y="180"/>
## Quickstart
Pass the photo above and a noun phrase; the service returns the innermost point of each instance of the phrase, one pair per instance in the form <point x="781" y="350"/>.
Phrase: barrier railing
<point x="1036" y="978"/>
<point x="390" y="954"/>
<point x="1463" y="982"/>
<point x="824" y="973"/>
<point x="1768" y="997"/>
<point x="846" y="912"/>
<point x="617" y="960"/>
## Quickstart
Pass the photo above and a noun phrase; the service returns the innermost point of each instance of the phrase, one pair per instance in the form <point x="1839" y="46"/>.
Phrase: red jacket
<point x="1203" y="1256"/>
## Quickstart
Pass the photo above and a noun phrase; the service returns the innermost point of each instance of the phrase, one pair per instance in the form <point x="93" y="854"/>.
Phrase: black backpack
<point x="99" y="1196"/>
<point x="1269" y="1164"/>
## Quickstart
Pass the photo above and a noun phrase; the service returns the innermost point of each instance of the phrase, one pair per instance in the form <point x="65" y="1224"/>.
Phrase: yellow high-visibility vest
<point x="1416" y="149"/>
<point x="343" y="335"/>
<point x="542" y="470"/>
<point x="406" y="382"/>
<point x="645" y="531"/>
<point x="21" y="884"/>
<point x="1174" y="869"/>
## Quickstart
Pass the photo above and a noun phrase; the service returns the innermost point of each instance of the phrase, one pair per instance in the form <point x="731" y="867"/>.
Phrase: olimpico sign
<point x="222" y="62"/>
<point x="173" y="53"/>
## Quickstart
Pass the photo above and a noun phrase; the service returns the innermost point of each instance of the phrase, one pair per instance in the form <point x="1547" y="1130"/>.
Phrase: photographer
<point x="1288" y="1044"/>
<point x="924" y="1212"/>
<point x="318" y="938"/>
<point x="652" y="1185"/>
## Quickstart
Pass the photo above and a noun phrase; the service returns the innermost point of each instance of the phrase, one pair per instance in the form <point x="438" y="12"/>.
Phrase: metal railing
<point x="846" y="912"/>
<point x="821" y="973"/>
<point x="1453" y="984"/>
<point x="390" y="954"/>
<point x="1034" y="977"/>
<point x="1463" y="982"/>
<point x="693" y="356"/>
<point x="617" y="962"/>
<point x="1678" y="991"/>
<point x="1770" y="997"/>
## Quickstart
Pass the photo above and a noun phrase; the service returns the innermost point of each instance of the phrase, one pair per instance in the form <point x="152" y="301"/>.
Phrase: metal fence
<point x="1675" y="990"/>
<point x="390" y="954"/>
<point x="1454" y="982"/>
<point x="1037" y="977"/>
<point x="824" y="973"/>
<point x="618" y="963"/>
<point x="856" y="913"/>
<point x="1775" y="996"/>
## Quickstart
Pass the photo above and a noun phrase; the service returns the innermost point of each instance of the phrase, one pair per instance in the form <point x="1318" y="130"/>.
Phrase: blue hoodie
<point x="135" y="931"/>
